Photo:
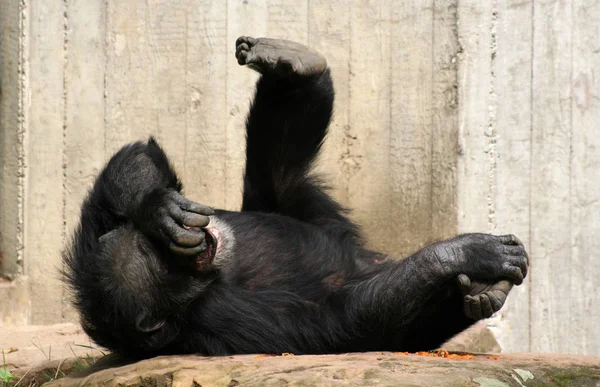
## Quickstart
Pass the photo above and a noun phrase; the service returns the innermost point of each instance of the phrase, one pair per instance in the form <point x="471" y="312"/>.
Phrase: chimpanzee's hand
<point x="481" y="299"/>
<point x="483" y="257"/>
<point x="174" y="220"/>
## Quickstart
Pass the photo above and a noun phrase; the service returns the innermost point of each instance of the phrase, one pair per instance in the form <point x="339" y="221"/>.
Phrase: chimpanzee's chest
<point x="269" y="251"/>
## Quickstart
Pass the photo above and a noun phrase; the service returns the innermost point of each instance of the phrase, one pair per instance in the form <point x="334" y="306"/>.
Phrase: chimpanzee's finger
<point x="503" y="286"/>
<point x="514" y="250"/>
<point x="181" y="236"/>
<point x="240" y="48"/>
<point x="467" y="306"/>
<point x="514" y="273"/>
<point x="188" y="205"/>
<point x="464" y="284"/>
<point x="187" y="218"/>
<point x="510" y="239"/>
<point x="486" y="306"/>
<point x="498" y="293"/>
<point x="496" y="300"/>
<point x="475" y="305"/>
<point x="245" y="39"/>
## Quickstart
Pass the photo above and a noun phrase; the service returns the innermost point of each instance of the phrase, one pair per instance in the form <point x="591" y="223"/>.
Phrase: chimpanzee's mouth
<point x="205" y="258"/>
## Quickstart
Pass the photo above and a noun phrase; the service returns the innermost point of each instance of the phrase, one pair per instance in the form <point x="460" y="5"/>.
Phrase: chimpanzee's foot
<point x="281" y="57"/>
<point x="480" y="299"/>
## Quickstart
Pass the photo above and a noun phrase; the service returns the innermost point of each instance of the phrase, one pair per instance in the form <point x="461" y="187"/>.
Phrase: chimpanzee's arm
<point x="286" y="127"/>
<point x="139" y="186"/>
<point x="130" y="176"/>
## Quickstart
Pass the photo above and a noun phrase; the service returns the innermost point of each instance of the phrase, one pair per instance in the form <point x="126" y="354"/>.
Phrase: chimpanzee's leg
<point x="286" y="127"/>
<point x="419" y="301"/>
<point x="454" y="308"/>
<point x="440" y="318"/>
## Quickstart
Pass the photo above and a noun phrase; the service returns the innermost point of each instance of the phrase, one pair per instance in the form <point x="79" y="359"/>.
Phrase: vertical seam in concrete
<point x="391" y="101"/>
<point x="491" y="132"/>
<point x="227" y="158"/>
<point x="347" y="155"/>
<point x="106" y="59"/>
<point x="225" y="112"/>
<point x="456" y="104"/>
<point x="22" y="135"/>
<point x="531" y="118"/>
<point x="460" y="59"/>
<point x="432" y="125"/>
<point x="187" y="97"/>
<point x="63" y="233"/>
<point x="64" y="118"/>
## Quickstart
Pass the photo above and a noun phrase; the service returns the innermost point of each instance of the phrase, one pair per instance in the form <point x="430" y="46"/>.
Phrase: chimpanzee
<point x="155" y="273"/>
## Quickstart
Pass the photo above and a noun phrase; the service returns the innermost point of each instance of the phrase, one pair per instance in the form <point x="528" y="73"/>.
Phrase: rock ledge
<point x="358" y="369"/>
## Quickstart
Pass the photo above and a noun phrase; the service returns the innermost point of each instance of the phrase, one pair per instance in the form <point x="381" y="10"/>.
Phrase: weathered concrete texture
<point x="551" y="169"/>
<point x="44" y="192"/>
<point x="27" y="346"/>
<point x="513" y="47"/>
<point x="449" y="117"/>
<point x="11" y="117"/>
<point x="37" y="354"/>
<point x="478" y="339"/>
<point x="102" y="74"/>
<point x="528" y="135"/>
<point x="369" y="369"/>
<point x="584" y="262"/>
<point x="14" y="299"/>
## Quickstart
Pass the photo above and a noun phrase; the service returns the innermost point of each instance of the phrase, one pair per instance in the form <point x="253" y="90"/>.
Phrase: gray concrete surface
<point x="25" y="347"/>
<point x="29" y="350"/>
<point x="450" y="117"/>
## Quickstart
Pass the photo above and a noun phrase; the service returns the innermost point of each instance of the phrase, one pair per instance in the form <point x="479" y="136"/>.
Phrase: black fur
<point x="299" y="279"/>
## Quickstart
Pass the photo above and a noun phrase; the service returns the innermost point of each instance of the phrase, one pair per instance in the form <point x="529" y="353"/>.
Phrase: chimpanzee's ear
<point x="147" y="323"/>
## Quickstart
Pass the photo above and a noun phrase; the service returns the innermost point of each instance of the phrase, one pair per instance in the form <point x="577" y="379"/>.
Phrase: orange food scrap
<point x="287" y="354"/>
<point x="260" y="356"/>
<point x="461" y="357"/>
<point x="427" y="354"/>
<point x="440" y="353"/>
<point x="445" y="354"/>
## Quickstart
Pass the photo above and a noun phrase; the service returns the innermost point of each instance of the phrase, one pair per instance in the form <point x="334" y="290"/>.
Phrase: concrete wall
<point x="450" y="117"/>
<point x="529" y="141"/>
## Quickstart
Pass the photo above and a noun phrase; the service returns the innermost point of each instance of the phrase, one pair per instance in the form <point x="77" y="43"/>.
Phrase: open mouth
<point x="204" y="260"/>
